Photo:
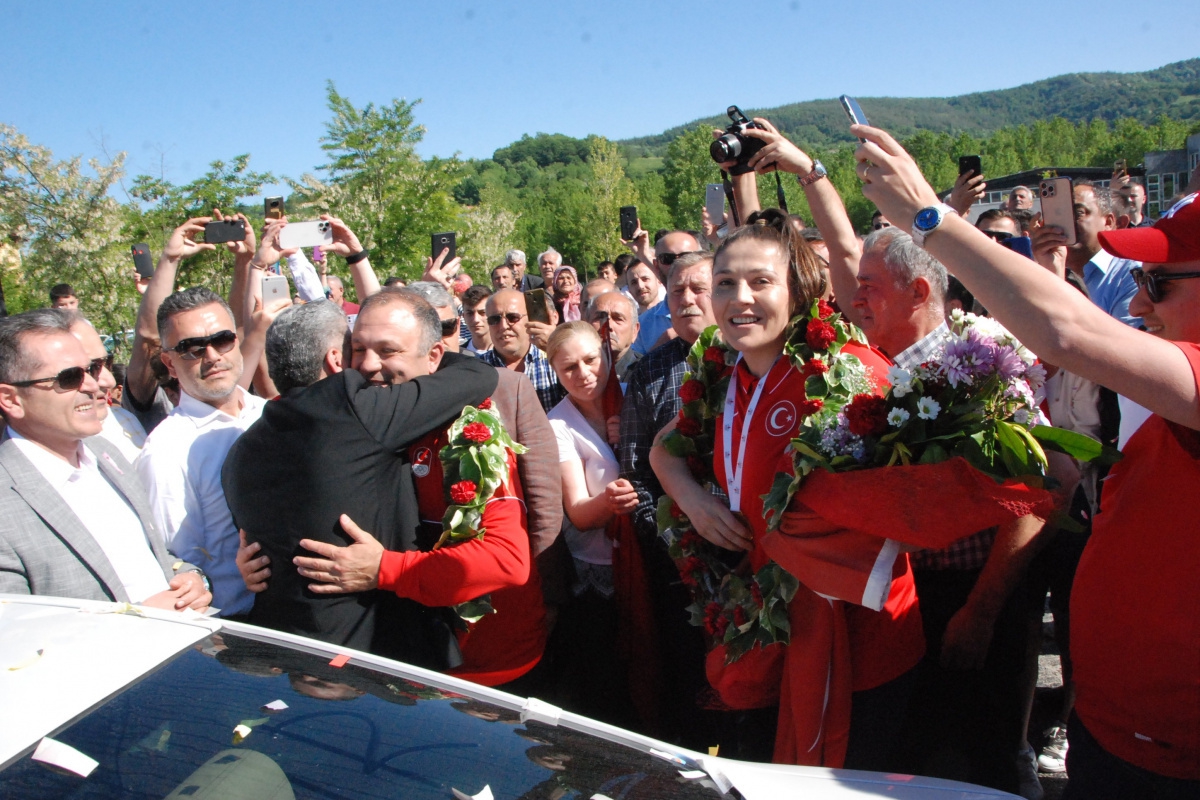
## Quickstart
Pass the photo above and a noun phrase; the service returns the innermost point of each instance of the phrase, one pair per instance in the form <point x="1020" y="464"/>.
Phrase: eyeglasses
<point x="667" y="259"/>
<point x="1150" y="281"/>
<point x="192" y="349"/>
<point x="449" y="326"/>
<point x="999" y="236"/>
<point x="512" y="317"/>
<point x="69" y="379"/>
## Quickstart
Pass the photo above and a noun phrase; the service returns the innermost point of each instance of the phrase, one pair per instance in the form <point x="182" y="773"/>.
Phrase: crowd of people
<point x="306" y="464"/>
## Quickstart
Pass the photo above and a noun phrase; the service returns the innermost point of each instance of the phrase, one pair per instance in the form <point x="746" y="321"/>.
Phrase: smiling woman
<point x="764" y="274"/>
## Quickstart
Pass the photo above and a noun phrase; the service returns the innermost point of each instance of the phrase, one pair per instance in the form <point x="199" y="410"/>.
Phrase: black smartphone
<point x="854" y="111"/>
<point x="970" y="165"/>
<point x="224" y="230"/>
<point x="629" y="222"/>
<point x="273" y="208"/>
<point x="535" y="306"/>
<point x="1120" y="168"/>
<point x="439" y="242"/>
<point x="142" y="261"/>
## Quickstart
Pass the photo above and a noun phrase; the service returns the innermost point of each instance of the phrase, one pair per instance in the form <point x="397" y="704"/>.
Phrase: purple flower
<point x="1007" y="363"/>
<point x="967" y="357"/>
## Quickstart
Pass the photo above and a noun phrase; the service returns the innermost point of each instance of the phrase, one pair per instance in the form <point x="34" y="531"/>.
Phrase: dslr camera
<point x="734" y="145"/>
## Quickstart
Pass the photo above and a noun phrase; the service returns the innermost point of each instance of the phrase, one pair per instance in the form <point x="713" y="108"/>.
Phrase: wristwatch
<point x="818" y="172"/>
<point x="927" y="220"/>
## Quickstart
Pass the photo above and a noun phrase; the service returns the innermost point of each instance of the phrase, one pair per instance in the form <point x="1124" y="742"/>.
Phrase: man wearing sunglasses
<point x="512" y="348"/>
<point x="74" y="519"/>
<point x="181" y="461"/>
<point x="656" y="320"/>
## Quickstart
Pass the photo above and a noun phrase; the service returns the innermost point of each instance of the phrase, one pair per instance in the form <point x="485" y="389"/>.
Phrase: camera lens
<point x="726" y="148"/>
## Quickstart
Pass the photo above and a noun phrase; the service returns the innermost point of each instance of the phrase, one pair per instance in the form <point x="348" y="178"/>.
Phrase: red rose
<point x="815" y="366"/>
<point x="867" y="415"/>
<point x="756" y="593"/>
<point x="824" y="310"/>
<point x="808" y="407"/>
<point x="463" y="492"/>
<point x="477" y="432"/>
<point x="689" y="426"/>
<point x="691" y="391"/>
<point x="486" y="404"/>
<point x="675" y="511"/>
<point x="715" y="355"/>
<point x="690" y="540"/>
<point x="820" y="334"/>
<point x="739" y="616"/>
<point x="712" y="619"/>
<point x="721" y="625"/>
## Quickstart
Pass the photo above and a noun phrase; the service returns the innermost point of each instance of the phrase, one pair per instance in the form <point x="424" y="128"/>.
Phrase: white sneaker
<point x="1054" y="753"/>
<point x="1028" y="785"/>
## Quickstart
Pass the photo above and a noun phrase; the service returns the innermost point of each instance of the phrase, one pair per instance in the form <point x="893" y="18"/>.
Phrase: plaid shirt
<point x="537" y="368"/>
<point x="971" y="552"/>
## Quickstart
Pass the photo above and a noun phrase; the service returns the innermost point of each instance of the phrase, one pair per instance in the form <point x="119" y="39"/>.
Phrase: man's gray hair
<point x="298" y="340"/>
<point x="689" y="260"/>
<point x="906" y="261"/>
<point x="633" y="306"/>
<point x="435" y="294"/>
<point x="550" y="251"/>
<point x="514" y="257"/>
<point x="335" y="279"/>
<point x="16" y="363"/>
<point x="186" y="300"/>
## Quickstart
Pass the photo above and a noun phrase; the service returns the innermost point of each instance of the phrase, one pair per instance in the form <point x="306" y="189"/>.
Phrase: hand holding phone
<point x="970" y="165"/>
<point x="1058" y="205"/>
<point x="142" y="261"/>
<point x="273" y="208"/>
<point x="629" y="222"/>
<point x="854" y="112"/>
<point x="443" y="241"/>
<point x="220" y="231"/>
<point x="535" y="306"/>
<point x="306" y="234"/>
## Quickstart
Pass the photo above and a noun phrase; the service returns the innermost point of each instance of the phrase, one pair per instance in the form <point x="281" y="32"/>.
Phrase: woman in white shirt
<point x="590" y="680"/>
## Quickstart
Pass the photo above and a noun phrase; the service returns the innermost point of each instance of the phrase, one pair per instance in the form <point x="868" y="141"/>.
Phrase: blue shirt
<point x="654" y="322"/>
<point x="1110" y="285"/>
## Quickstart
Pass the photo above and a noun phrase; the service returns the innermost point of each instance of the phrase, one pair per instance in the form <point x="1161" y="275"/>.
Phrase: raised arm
<point x="1049" y="316"/>
<point x="346" y="244"/>
<point x="181" y="244"/>
<point x="243" y="252"/>
<point x="828" y="211"/>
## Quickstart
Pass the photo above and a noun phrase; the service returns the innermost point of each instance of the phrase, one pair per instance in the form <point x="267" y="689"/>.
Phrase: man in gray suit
<point x="74" y="520"/>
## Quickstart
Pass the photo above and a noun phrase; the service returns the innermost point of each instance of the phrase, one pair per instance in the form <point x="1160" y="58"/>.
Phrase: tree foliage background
<point x="64" y="221"/>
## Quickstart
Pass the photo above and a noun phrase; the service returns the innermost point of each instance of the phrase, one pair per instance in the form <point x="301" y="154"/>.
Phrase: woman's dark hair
<point x="805" y="278"/>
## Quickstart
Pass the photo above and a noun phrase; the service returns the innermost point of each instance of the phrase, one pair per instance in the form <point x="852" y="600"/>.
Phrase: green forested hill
<point x="1173" y="90"/>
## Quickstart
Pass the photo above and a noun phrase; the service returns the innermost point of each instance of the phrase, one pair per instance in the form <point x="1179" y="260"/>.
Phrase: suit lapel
<point x="50" y="506"/>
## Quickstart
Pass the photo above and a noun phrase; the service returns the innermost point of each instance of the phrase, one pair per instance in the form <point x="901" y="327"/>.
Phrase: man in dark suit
<point x="523" y="280"/>
<point x="74" y="521"/>
<point x="339" y="447"/>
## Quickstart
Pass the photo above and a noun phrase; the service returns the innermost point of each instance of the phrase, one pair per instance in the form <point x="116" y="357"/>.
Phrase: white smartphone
<point x="275" y="287"/>
<point x="306" y="234"/>
<point x="714" y="201"/>
<point x="1058" y="205"/>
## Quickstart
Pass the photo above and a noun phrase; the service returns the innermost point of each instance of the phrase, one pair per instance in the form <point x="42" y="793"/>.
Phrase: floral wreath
<point x="736" y="609"/>
<point x="474" y="465"/>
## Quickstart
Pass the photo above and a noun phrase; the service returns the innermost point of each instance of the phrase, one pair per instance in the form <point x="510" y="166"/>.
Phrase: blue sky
<point x="178" y="86"/>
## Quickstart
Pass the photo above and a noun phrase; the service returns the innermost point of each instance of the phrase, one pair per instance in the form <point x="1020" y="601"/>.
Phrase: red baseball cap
<point x="1174" y="238"/>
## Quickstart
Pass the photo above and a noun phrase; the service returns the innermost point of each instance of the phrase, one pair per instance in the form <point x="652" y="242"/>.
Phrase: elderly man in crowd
<point x="1019" y="199"/>
<point x="655" y="319"/>
<point x="509" y="325"/>
<point x="76" y="521"/>
<point x="548" y="262"/>
<point x="620" y="312"/>
<point x="522" y="280"/>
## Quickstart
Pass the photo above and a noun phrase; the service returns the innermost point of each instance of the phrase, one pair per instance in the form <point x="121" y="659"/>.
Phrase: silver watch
<point x="927" y="221"/>
<point x="818" y="172"/>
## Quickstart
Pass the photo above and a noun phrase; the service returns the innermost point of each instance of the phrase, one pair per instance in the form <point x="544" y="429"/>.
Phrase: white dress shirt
<point x="181" y="468"/>
<point x="105" y="513"/>
<point x="123" y="431"/>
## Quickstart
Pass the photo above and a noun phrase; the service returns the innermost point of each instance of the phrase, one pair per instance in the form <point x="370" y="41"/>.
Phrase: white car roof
<point x="61" y="658"/>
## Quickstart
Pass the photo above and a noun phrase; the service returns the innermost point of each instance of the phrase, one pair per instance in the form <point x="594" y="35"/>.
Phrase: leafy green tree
<point x="68" y="229"/>
<point x="687" y="167"/>
<point x="378" y="184"/>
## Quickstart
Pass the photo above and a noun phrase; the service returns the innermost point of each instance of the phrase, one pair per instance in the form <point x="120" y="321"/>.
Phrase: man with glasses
<point x="656" y="320"/>
<point x="101" y="366"/>
<point x="74" y="520"/>
<point x="181" y="461"/>
<point x="508" y="323"/>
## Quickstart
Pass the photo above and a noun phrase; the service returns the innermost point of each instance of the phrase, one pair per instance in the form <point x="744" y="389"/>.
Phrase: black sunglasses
<point x="449" y="326"/>
<point x="512" y="317"/>
<point x="999" y="236"/>
<point x="192" y="349"/>
<point x="1151" y="281"/>
<point x="667" y="259"/>
<point x="70" y="379"/>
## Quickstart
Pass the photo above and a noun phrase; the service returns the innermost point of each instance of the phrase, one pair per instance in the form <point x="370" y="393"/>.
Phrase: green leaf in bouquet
<point x="1035" y="448"/>
<point x="679" y="445"/>
<point x="933" y="454"/>
<point x="1013" y="452"/>
<point x="1076" y="445"/>
<point x="662" y="513"/>
<point x="816" y="386"/>
<point x="776" y="500"/>
<point x="779" y="617"/>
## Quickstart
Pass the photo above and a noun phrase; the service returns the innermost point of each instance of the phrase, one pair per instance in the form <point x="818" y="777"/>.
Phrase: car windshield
<point x="207" y="725"/>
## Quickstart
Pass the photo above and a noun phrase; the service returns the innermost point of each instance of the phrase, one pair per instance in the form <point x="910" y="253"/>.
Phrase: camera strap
<point x="780" y="197"/>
